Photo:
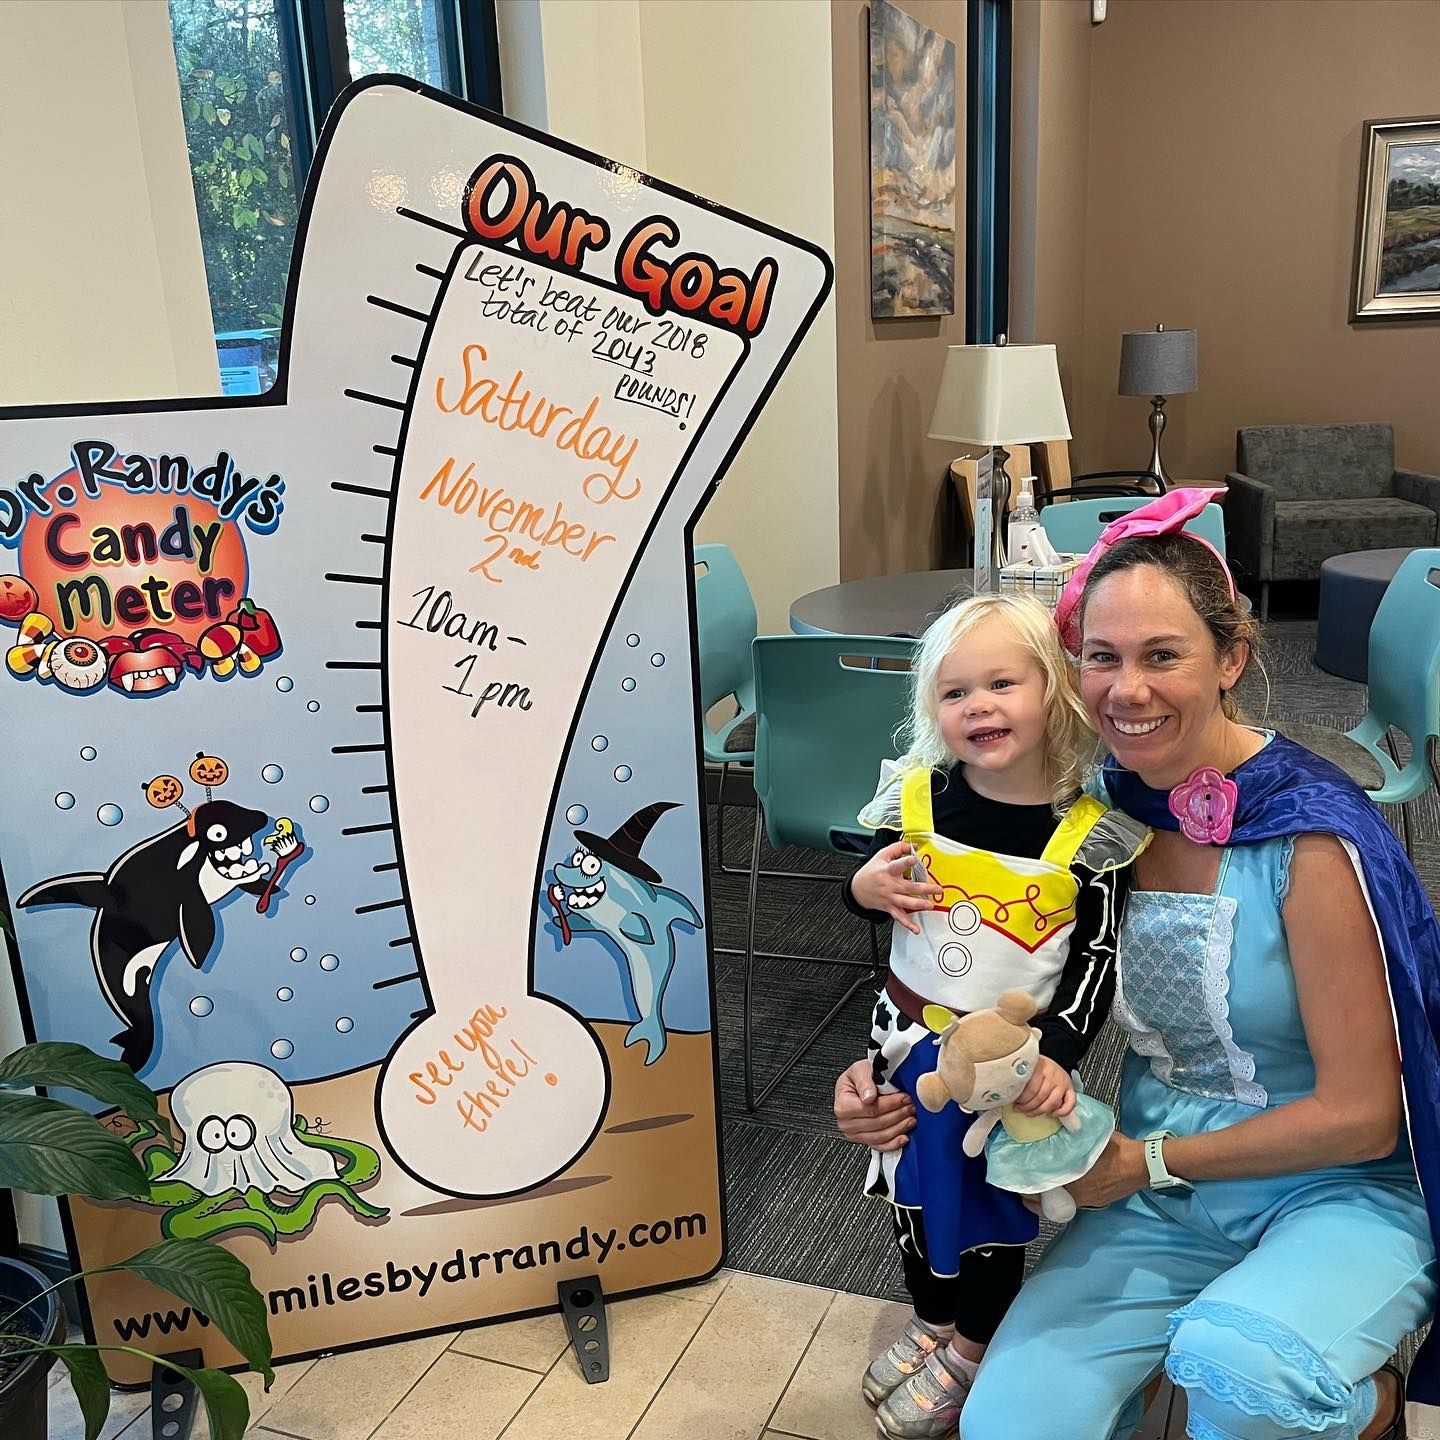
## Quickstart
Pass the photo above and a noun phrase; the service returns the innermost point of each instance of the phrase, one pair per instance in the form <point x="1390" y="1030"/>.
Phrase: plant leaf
<point x="59" y="1062"/>
<point x="92" y="1385"/>
<point x="225" y="1401"/>
<point x="50" y="1148"/>
<point x="215" y="1282"/>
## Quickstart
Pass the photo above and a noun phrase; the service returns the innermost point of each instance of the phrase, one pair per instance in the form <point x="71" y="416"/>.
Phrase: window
<point x="987" y="179"/>
<point x="257" y="78"/>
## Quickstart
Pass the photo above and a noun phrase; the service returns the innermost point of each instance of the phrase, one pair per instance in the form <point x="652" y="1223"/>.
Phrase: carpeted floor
<point x="795" y="1207"/>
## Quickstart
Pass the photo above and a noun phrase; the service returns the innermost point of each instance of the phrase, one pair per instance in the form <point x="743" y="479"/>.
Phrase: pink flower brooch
<point x="1205" y="806"/>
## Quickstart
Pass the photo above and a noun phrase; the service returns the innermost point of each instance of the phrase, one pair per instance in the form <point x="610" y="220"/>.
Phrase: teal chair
<point x="1076" y="525"/>
<point x="725" y="626"/>
<point x="826" y="713"/>
<point x="1404" y="677"/>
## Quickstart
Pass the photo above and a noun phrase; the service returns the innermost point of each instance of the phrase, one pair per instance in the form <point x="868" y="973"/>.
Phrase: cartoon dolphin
<point x="159" y="892"/>
<point x="605" y="888"/>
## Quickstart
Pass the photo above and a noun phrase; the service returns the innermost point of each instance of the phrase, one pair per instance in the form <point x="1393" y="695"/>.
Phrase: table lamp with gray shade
<point x="1157" y="363"/>
<point x="996" y="395"/>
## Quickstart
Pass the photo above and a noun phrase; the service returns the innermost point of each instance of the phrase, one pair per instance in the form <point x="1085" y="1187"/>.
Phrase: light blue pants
<point x="1271" y="1310"/>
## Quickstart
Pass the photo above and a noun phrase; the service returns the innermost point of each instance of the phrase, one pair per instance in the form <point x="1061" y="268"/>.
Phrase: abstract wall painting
<point x="912" y="166"/>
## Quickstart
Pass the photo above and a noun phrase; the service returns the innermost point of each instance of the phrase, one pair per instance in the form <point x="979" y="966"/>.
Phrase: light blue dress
<point x="1269" y="1300"/>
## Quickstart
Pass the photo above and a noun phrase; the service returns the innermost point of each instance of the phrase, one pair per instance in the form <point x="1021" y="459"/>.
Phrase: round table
<point x="1351" y="588"/>
<point x="882" y="605"/>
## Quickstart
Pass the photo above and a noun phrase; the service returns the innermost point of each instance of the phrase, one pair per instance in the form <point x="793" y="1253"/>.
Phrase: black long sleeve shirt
<point x="1082" y="998"/>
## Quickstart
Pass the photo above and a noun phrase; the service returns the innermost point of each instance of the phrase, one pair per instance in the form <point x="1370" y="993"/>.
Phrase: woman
<point x="1258" y="1229"/>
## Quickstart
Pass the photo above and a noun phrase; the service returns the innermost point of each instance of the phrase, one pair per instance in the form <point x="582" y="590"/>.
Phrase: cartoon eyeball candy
<point x="208" y="769"/>
<point x="76" y="664"/>
<point x="163" y="791"/>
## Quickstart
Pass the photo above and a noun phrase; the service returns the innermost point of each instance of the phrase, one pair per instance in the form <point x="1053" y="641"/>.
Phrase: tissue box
<point x="1044" y="582"/>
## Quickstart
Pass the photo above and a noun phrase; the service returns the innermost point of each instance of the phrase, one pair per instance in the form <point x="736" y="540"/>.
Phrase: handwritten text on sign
<point x="552" y="415"/>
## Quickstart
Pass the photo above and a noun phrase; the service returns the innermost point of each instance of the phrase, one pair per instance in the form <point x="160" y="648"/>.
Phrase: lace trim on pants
<point x="1336" y="1422"/>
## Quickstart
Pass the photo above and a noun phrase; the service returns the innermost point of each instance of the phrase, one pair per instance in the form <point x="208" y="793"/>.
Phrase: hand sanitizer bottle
<point x="1024" y="521"/>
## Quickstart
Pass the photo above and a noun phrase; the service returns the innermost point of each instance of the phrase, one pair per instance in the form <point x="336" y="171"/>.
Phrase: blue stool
<point x="1351" y="588"/>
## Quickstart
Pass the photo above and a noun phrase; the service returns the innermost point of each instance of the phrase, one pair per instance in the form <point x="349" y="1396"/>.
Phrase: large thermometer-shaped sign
<point x="354" y="796"/>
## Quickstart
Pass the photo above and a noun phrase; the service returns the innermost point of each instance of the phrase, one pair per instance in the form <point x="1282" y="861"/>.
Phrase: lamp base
<point x="1000" y="487"/>
<point x="1157" y="428"/>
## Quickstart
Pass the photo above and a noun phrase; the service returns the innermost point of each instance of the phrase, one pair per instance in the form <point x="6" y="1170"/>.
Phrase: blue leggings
<point x="1272" y="1326"/>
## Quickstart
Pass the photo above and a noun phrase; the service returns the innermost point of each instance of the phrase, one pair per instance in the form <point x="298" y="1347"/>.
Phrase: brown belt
<point x="906" y="1001"/>
<point x="912" y="1005"/>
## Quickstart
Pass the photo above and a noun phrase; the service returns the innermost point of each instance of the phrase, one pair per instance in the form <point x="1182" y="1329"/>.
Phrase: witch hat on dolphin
<point x="622" y="847"/>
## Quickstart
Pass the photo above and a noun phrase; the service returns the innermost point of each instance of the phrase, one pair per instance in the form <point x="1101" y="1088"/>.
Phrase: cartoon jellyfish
<point x="247" y="1162"/>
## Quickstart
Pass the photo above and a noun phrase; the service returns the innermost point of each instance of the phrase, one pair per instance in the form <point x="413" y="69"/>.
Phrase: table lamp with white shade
<point x="996" y="395"/>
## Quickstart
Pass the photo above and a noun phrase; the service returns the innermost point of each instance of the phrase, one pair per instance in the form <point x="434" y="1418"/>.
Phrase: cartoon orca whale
<point x="160" y="891"/>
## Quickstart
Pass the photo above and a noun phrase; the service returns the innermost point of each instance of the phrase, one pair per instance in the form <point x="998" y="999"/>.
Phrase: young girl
<point x="989" y="891"/>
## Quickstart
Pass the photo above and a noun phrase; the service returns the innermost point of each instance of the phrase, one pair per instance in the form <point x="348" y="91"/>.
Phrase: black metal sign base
<point x="583" y="1304"/>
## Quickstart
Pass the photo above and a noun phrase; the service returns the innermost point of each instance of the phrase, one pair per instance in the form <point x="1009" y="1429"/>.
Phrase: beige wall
<point x="733" y="102"/>
<point x="1223" y="171"/>
<point x="102" y="282"/>
<point x="103" y="277"/>
<point x="1050" y="97"/>
<point x="749" y="125"/>
<point x="892" y="478"/>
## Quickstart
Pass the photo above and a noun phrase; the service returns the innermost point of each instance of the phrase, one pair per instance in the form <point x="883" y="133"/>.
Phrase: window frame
<point x="987" y="170"/>
<point x="315" y="53"/>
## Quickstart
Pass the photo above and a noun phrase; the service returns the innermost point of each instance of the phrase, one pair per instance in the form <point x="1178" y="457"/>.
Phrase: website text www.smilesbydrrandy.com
<point x="327" y="1289"/>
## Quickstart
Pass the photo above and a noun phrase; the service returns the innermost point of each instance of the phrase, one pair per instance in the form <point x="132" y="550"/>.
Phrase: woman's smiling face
<point x="1150" y="675"/>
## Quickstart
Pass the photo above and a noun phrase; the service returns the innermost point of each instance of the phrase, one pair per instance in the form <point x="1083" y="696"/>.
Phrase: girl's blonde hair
<point x="1070" y="741"/>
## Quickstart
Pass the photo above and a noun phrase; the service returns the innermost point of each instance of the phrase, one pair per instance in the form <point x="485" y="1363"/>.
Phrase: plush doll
<point x="986" y="1060"/>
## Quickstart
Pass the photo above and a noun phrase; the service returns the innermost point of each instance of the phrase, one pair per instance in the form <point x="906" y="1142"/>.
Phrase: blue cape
<point x="1287" y="790"/>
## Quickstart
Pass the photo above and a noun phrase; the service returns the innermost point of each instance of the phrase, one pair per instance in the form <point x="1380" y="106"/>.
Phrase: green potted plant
<point x="50" y="1148"/>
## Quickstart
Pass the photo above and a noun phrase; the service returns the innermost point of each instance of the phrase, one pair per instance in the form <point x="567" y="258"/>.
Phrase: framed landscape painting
<point x="1397" y="247"/>
<point x="912" y="166"/>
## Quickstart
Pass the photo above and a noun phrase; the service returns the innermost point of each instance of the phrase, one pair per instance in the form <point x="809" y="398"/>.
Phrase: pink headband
<point x="1165" y="515"/>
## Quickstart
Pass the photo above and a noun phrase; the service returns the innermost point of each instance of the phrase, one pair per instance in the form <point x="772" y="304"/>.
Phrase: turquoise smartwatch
<point x="1160" y="1177"/>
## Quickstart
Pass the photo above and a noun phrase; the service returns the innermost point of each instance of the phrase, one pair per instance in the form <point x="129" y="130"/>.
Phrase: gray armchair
<point x="1302" y="493"/>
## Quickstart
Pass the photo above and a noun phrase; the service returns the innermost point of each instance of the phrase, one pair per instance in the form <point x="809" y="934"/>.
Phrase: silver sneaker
<point x="888" y="1372"/>
<point x="927" y="1406"/>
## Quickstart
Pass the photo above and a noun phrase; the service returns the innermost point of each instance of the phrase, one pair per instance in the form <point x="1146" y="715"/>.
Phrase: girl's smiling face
<point x="990" y="701"/>
<point x="1151" y="678"/>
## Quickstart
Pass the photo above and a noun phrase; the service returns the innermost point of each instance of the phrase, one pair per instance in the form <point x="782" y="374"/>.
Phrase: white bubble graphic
<point x="272" y="774"/>
<point x="284" y="993"/>
<point x="632" y="641"/>
<point x="329" y="962"/>
<point x="87" y="752"/>
<point x="110" y="814"/>
<point x="319" y="803"/>
<point x="577" y="814"/>
<point x="309" y="899"/>
<point x="284" y="683"/>
<point x="623" y="773"/>
<point x="344" y="1024"/>
<point x="600" y="743"/>
<point x="201" y="1005"/>
<point x="628" y="683"/>
<point x="313" y="706"/>
<point x="298" y="954"/>
<point x="657" y="661"/>
<point x="282" y="1049"/>
<point x="65" y="800"/>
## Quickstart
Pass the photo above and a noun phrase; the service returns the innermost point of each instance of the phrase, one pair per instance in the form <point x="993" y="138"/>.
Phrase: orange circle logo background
<point x="119" y="510"/>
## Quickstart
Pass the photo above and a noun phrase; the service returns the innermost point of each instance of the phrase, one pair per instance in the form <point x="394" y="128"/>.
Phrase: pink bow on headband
<point x="1165" y="515"/>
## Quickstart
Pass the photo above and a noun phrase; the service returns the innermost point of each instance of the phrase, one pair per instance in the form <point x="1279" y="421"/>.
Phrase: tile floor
<point x="741" y="1357"/>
